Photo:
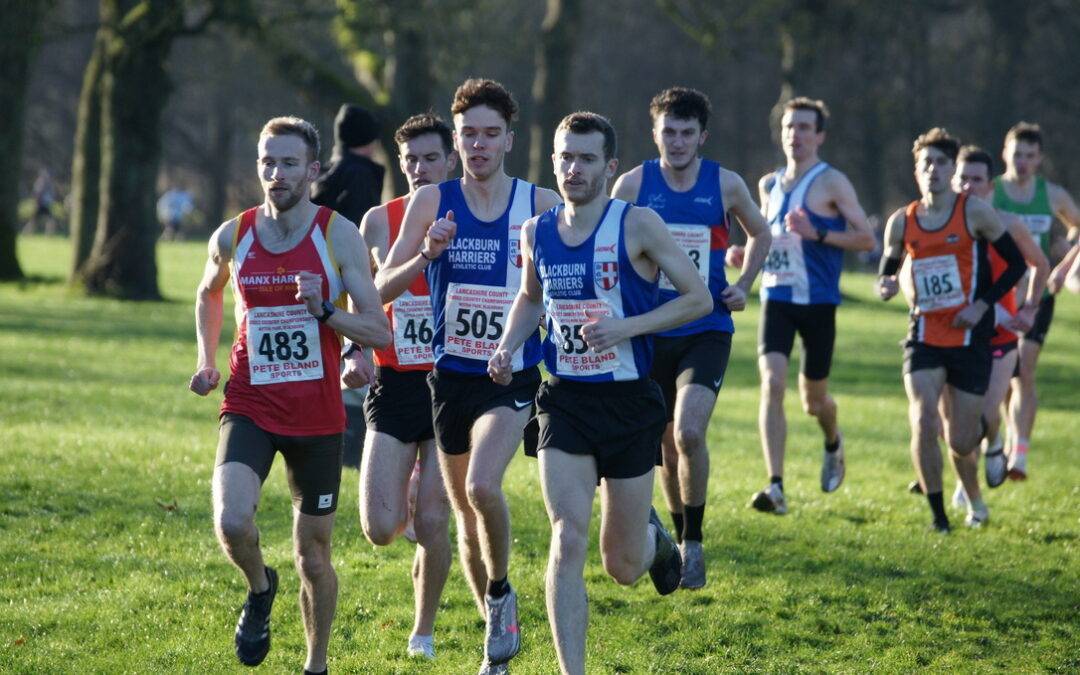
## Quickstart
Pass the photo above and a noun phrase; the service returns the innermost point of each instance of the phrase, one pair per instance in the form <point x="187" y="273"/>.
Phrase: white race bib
<point x="283" y="345"/>
<point x="937" y="283"/>
<point x="475" y="318"/>
<point x="695" y="241"/>
<point x="574" y="356"/>
<point x="414" y="328"/>
<point x="785" y="265"/>
<point x="1037" y="223"/>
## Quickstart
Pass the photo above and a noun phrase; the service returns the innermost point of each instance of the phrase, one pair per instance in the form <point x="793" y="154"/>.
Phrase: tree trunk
<point x="410" y="84"/>
<point x="17" y="45"/>
<point x="86" y="164"/>
<point x="551" y="95"/>
<point x="217" y="173"/>
<point x="134" y="91"/>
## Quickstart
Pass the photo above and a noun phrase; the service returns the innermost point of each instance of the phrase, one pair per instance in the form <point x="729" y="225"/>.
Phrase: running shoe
<point x="994" y="461"/>
<point x="666" y="568"/>
<point x="940" y="527"/>
<point x="770" y="500"/>
<point x="977" y="516"/>
<point x="487" y="668"/>
<point x="422" y="646"/>
<point x="959" y="497"/>
<point x="693" y="565"/>
<point x="1018" y="466"/>
<point x="832" y="468"/>
<point x="253" y="627"/>
<point x="502" y="639"/>
<point x="915" y="487"/>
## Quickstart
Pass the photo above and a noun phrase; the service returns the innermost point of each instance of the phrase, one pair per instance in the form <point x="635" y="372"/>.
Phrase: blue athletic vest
<point x="797" y="270"/>
<point x="594" y="277"/>
<point x="698" y="221"/>
<point x="474" y="282"/>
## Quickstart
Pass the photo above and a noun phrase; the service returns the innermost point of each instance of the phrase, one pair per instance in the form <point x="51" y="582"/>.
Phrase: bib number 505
<point x="478" y="324"/>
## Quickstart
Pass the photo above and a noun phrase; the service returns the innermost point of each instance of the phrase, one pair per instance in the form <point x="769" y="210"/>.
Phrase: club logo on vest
<point x="703" y="200"/>
<point x="606" y="274"/>
<point x="656" y="202"/>
<point x="952" y="239"/>
<point x="515" y="252"/>
<point x="605" y="249"/>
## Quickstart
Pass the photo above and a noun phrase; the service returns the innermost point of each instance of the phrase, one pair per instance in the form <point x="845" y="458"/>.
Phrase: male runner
<point x="291" y="264"/>
<point x="464" y="235"/>
<point x="973" y="177"/>
<point x="398" y="405"/>
<point x="814" y="216"/>
<point x="592" y="265"/>
<point x="947" y="352"/>
<point x="694" y="196"/>
<point x="1021" y="190"/>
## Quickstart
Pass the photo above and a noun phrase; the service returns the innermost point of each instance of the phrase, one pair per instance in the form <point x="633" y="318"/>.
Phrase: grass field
<point x="98" y="432"/>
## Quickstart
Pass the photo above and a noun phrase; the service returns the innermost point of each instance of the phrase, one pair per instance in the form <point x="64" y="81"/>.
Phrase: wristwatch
<point x="349" y="350"/>
<point x="328" y="311"/>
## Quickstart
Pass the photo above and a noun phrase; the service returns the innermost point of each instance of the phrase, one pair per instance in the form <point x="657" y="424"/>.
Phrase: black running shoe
<point x="666" y="568"/>
<point x="915" y="487"/>
<point x="940" y="527"/>
<point x="253" y="627"/>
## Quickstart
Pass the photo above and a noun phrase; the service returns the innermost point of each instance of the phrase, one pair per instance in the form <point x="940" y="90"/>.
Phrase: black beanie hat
<point x="355" y="126"/>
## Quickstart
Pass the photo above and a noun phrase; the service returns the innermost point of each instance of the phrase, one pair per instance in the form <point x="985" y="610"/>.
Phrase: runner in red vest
<point x="292" y="265"/>
<point x="398" y="406"/>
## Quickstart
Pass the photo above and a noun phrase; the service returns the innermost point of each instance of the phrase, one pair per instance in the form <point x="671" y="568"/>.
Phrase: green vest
<point x="1036" y="214"/>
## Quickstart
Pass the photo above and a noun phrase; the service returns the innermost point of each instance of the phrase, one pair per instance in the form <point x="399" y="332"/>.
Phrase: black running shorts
<point x="1043" y="317"/>
<point x="458" y="400"/>
<point x="1000" y="351"/>
<point x="966" y="368"/>
<point x="313" y="463"/>
<point x="701" y="358"/>
<point x="815" y="324"/>
<point x="619" y="423"/>
<point x="398" y="403"/>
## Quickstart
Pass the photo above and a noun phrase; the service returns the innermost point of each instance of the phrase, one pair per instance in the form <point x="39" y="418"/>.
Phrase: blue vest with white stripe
<point x="594" y="278"/>
<point x="798" y="270"/>
<point x="474" y="282"/>
<point x="698" y="221"/>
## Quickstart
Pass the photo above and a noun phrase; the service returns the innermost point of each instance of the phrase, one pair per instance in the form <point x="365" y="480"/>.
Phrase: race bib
<point x="937" y="283"/>
<point x="1037" y="224"/>
<point x="475" y="319"/>
<point x="283" y="345"/>
<point x="785" y="265"/>
<point x="574" y="356"/>
<point x="695" y="241"/>
<point x="414" y="329"/>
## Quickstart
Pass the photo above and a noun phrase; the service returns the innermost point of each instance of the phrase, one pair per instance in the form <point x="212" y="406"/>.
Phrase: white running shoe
<point x="422" y="646"/>
<point x="832" y="467"/>
<point x="959" y="497"/>
<point x="770" y="500"/>
<point x="994" y="464"/>
<point x="977" y="516"/>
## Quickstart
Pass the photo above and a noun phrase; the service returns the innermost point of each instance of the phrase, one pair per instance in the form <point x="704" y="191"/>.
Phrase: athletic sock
<point x="834" y="446"/>
<point x="498" y="588"/>
<point x="324" y="671"/>
<point x="677" y="520"/>
<point x="778" y="481"/>
<point x="937" y="507"/>
<point x="1021" y="446"/>
<point x="694" y="516"/>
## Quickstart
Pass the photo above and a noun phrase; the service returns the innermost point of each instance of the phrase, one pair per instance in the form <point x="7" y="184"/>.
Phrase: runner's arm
<point x="375" y="229"/>
<point x="1033" y="256"/>
<point x="209" y="307"/>
<point x="858" y="236"/>
<point x="628" y="185"/>
<point x="891" y="256"/>
<point x="366" y="323"/>
<point x="649" y="235"/>
<point x="758" y="237"/>
<point x="764" y="187"/>
<point x="986" y="225"/>
<point x="422" y="239"/>
<point x="1064" y="207"/>
<point x="546" y="199"/>
<point x="524" y="315"/>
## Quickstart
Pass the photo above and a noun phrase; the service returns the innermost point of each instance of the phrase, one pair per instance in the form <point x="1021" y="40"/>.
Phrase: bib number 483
<point x="284" y="346"/>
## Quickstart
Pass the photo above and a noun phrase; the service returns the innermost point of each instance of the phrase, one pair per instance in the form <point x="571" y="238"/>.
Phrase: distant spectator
<point x="173" y="208"/>
<point x="353" y="183"/>
<point x="43" y="219"/>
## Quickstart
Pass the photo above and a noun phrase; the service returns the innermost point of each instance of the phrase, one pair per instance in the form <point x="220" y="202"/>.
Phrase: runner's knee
<point x="622" y="567"/>
<point x="570" y="543"/>
<point x="688" y="440"/>
<point x="233" y="527"/>
<point x="483" y="493"/>
<point x="313" y="561"/>
<point x="431" y="527"/>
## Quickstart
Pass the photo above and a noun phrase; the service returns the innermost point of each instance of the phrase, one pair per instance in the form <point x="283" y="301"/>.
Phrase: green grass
<point x="97" y="427"/>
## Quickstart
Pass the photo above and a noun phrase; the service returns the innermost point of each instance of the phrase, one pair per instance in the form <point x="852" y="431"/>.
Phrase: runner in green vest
<point x="1037" y="201"/>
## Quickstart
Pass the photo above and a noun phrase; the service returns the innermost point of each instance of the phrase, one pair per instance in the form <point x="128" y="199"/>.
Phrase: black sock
<point x="777" y="480"/>
<point x="694" y="516"/>
<point x="937" y="506"/>
<point x="324" y="671"/>
<point x="834" y="446"/>
<point x="677" y="519"/>
<point x="498" y="588"/>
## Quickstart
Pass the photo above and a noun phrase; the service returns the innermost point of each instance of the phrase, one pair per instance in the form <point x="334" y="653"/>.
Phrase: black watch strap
<point x="349" y="350"/>
<point x="328" y="311"/>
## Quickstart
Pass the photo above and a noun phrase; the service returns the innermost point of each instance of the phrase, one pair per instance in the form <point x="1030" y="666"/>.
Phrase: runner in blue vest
<point x="694" y="196"/>
<point x="592" y="267"/>
<point x="814" y="216"/>
<point x="464" y="235"/>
